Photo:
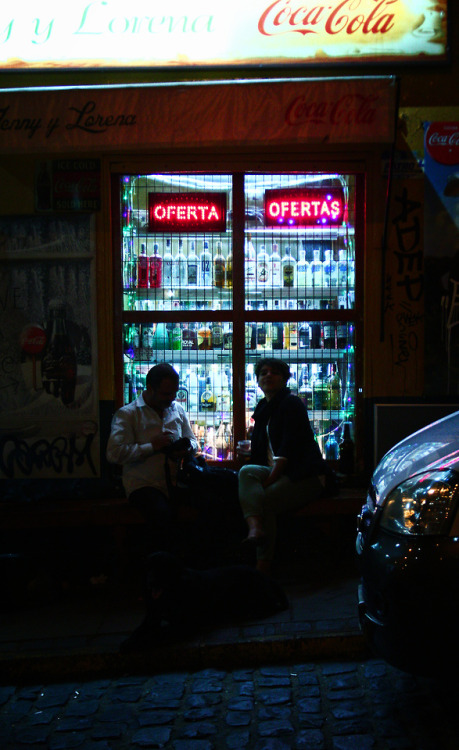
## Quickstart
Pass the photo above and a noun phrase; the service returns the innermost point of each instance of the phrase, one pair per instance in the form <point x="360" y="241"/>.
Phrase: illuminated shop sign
<point x="115" y="34"/>
<point x="304" y="207"/>
<point x="187" y="212"/>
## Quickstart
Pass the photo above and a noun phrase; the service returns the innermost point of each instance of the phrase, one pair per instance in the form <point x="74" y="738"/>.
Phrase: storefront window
<point x="212" y="292"/>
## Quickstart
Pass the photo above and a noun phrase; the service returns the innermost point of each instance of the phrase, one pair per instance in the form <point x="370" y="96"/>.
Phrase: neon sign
<point x="187" y="212"/>
<point x="304" y="207"/>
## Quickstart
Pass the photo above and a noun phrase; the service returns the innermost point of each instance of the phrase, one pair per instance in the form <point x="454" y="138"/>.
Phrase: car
<point x="408" y="552"/>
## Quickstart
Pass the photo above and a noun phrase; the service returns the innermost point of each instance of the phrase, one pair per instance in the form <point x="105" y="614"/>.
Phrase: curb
<point x="36" y="668"/>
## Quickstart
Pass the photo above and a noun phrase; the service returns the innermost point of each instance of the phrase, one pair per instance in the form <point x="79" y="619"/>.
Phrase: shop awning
<point x="205" y="114"/>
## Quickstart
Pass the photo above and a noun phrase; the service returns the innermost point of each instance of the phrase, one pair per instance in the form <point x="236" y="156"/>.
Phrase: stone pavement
<point x="344" y="705"/>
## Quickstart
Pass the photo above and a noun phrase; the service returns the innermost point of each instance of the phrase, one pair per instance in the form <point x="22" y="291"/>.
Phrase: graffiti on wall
<point x="48" y="383"/>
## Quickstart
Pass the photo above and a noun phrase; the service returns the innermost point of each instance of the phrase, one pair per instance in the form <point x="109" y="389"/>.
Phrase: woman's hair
<point x="276" y="364"/>
<point x="160" y="372"/>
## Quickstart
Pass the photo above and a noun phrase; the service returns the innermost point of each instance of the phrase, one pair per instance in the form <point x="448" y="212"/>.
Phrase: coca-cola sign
<point x="349" y="109"/>
<point x="442" y="142"/>
<point x="111" y="34"/>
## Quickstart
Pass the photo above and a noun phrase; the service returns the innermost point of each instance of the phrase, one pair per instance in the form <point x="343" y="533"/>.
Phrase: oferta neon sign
<point x="304" y="207"/>
<point x="187" y="212"/>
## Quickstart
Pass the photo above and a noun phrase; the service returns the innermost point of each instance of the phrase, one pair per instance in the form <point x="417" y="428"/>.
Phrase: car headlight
<point x="423" y="504"/>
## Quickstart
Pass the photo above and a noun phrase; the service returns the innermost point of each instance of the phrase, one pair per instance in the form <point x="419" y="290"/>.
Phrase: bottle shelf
<point x="148" y="356"/>
<point x="256" y="292"/>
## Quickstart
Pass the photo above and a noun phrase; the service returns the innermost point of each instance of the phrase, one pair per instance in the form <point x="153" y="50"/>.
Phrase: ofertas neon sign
<point x="187" y="212"/>
<point x="304" y="207"/>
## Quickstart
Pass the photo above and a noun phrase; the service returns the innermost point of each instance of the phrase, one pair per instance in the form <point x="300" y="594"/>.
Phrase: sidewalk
<point x="79" y="634"/>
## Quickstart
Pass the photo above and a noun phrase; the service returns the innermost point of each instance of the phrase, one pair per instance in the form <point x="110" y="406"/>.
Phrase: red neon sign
<point x="304" y="207"/>
<point x="187" y="212"/>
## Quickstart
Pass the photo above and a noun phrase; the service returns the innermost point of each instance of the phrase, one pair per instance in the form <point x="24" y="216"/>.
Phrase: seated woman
<point x="286" y="469"/>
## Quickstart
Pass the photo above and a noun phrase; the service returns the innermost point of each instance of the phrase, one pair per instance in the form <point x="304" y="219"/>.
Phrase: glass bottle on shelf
<point x="229" y="270"/>
<point x="219" y="267"/>
<point x="189" y="337"/>
<point x="346" y="451"/>
<point x="217" y="335"/>
<point x="250" y="264"/>
<point x="302" y="271"/>
<point x="304" y="387"/>
<point x="192" y="266"/>
<point x="330" y="270"/>
<point x="176" y="337"/>
<point x="156" y="268"/>
<point x="179" y="268"/>
<point x="263" y="267"/>
<point x="261" y="335"/>
<point x="204" y="337"/>
<point x="168" y="261"/>
<point x="291" y="332"/>
<point x="331" y="447"/>
<point x="342" y="268"/>
<point x="142" y="268"/>
<point x="277" y="330"/>
<point x="317" y="277"/>
<point x="288" y="269"/>
<point x="205" y="266"/>
<point x="276" y="267"/>
<point x="334" y="388"/>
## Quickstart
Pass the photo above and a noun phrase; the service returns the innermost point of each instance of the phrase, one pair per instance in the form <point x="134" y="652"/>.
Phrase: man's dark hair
<point x="161" y="372"/>
<point x="276" y="364"/>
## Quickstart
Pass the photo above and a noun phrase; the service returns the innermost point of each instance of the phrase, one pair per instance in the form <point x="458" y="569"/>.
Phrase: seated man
<point x="142" y="441"/>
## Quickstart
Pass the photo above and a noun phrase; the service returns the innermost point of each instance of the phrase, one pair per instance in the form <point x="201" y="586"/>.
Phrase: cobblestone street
<point x="351" y="705"/>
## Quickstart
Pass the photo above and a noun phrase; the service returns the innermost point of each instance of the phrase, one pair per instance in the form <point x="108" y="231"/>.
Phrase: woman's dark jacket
<point x="290" y="434"/>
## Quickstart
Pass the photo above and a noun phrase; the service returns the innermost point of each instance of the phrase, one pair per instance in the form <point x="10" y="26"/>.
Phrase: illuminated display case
<point x="219" y="270"/>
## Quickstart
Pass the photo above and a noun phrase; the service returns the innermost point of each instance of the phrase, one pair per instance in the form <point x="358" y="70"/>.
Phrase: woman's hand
<point x="277" y="471"/>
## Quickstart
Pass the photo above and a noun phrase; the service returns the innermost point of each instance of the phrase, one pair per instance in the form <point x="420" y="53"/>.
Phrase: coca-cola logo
<point x="346" y="18"/>
<point x="442" y="142"/>
<point x="350" y="109"/>
<point x="33" y="339"/>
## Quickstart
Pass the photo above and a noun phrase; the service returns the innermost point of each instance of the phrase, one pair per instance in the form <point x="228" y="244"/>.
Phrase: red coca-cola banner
<point x="135" y="118"/>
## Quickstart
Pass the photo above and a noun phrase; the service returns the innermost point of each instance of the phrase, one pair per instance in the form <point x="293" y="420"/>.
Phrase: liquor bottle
<point x="330" y="270"/>
<point x="331" y="448"/>
<point x="250" y="262"/>
<point x="168" y="261"/>
<point x="317" y="270"/>
<point x="208" y="400"/>
<point x="277" y="330"/>
<point x="127" y="388"/>
<point x="250" y="389"/>
<point x="147" y="336"/>
<point x="129" y="265"/>
<point x="291" y="332"/>
<point x="302" y="271"/>
<point x="189" y="337"/>
<point x="319" y="388"/>
<point x="182" y="396"/>
<point x="228" y="338"/>
<point x="263" y="267"/>
<point x="346" y="451"/>
<point x="204" y="337"/>
<point x="304" y="335"/>
<point x="342" y="269"/>
<point x="142" y="268"/>
<point x="329" y="334"/>
<point x="288" y="269"/>
<point x="179" y="268"/>
<point x="229" y="271"/>
<point x="192" y="266"/>
<point x="160" y="337"/>
<point x="341" y="334"/>
<point x="176" y="337"/>
<point x="276" y="267"/>
<point x="219" y="267"/>
<point x="205" y="266"/>
<point x="261" y="332"/>
<point x="334" y="388"/>
<point x="156" y="268"/>
<point x="192" y="384"/>
<point x="304" y="388"/>
<point x="59" y="363"/>
<point x="217" y="335"/>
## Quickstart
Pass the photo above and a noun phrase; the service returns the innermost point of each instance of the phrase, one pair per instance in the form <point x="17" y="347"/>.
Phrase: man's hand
<point x="162" y="440"/>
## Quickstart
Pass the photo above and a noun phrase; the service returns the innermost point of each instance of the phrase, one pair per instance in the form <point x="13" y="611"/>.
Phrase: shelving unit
<point x="254" y="303"/>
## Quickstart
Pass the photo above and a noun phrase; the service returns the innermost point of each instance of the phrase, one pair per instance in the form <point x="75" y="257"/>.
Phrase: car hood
<point x="435" y="446"/>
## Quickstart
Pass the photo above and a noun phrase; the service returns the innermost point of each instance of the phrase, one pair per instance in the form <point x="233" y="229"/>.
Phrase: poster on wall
<point x="48" y="376"/>
<point x="441" y="140"/>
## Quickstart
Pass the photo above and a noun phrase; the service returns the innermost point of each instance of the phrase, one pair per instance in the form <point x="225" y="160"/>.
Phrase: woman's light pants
<point x="282" y="496"/>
